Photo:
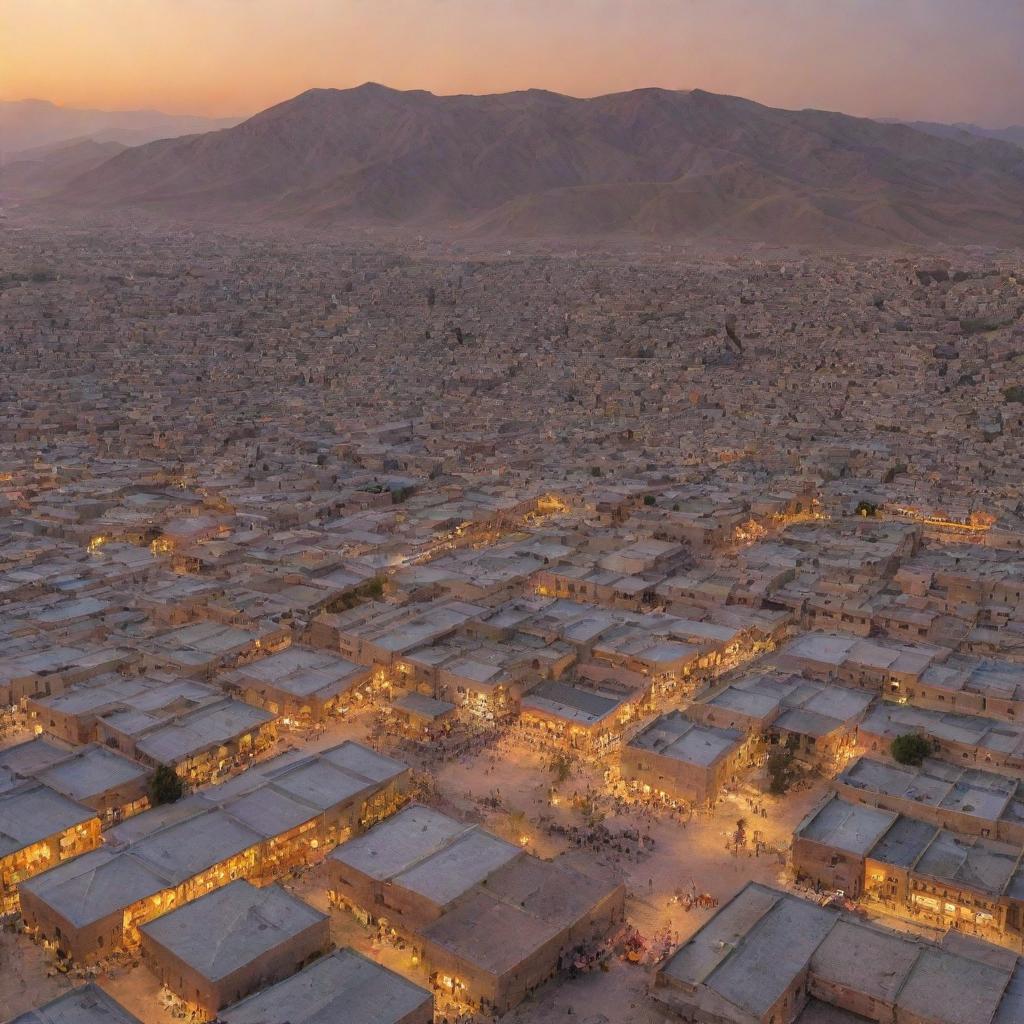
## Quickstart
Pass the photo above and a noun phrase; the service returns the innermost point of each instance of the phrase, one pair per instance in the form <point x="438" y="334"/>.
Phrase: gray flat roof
<point x="758" y="943"/>
<point x="971" y="862"/>
<point x="1011" y="1009"/>
<point x="423" y="706"/>
<point x="817" y="1012"/>
<point x="981" y="794"/>
<point x="493" y="935"/>
<point x="904" y="842"/>
<point x="854" y="828"/>
<point x="188" y="847"/>
<point x="302" y="672"/>
<point x="673" y="735"/>
<point x="33" y="812"/>
<point x="31" y="757"/>
<point x="777" y="948"/>
<point x="342" y="987"/>
<point x="524" y="903"/>
<point x="427" y="852"/>
<point x="166" y="845"/>
<point x="865" y="959"/>
<point x="953" y="989"/>
<point x="359" y="760"/>
<point x="694" y="961"/>
<point x="95" y="885"/>
<point x="86" y="1005"/>
<point x="571" y="702"/>
<point x="468" y="860"/>
<point x="226" y="929"/>
<point x="399" y="842"/>
<point x="91" y="771"/>
<point x="201" y="730"/>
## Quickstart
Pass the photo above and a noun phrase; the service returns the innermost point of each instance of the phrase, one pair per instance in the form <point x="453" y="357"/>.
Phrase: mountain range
<point x="1013" y="134"/>
<point x="650" y="162"/>
<point x="33" y="124"/>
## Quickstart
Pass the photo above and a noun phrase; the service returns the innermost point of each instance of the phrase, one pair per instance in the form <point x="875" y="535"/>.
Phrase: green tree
<point x="165" y="787"/>
<point x="866" y="508"/>
<point x="910" y="748"/>
<point x="783" y="770"/>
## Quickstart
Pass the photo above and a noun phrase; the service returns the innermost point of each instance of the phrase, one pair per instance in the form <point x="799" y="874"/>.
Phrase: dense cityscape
<point x="414" y="631"/>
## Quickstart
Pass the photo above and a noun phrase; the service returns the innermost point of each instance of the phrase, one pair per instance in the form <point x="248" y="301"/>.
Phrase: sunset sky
<point x="948" y="60"/>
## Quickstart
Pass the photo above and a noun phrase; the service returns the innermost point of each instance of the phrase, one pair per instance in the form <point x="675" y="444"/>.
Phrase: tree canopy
<point x="910" y="748"/>
<point x="165" y="787"/>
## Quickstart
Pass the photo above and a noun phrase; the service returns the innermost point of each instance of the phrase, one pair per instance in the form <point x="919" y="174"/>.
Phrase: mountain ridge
<point x="529" y="163"/>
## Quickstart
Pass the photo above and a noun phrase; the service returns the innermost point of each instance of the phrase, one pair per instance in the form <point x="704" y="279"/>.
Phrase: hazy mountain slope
<point x="649" y="161"/>
<point x="47" y="168"/>
<point x="28" y="124"/>
<point x="1014" y="134"/>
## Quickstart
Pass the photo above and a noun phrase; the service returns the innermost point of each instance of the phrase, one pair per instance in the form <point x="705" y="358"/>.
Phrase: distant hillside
<point x="1014" y="134"/>
<point x="38" y="172"/>
<point x="29" y="124"/>
<point x="647" y="162"/>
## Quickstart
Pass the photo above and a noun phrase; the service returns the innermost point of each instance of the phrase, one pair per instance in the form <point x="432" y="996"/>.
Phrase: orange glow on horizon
<point x="234" y="57"/>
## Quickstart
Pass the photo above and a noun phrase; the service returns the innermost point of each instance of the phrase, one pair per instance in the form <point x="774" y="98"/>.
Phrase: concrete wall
<point x="828" y="867"/>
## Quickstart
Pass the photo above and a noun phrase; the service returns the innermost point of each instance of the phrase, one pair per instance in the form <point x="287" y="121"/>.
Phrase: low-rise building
<point x="88" y="1004"/>
<point x="39" y="828"/>
<point x="768" y="957"/>
<point x="299" y="685"/>
<point x="282" y="814"/>
<point x="491" y="922"/>
<point x="113" y="785"/>
<point x="966" y="800"/>
<point x="913" y="868"/>
<point x="413" y="867"/>
<point x="344" y="986"/>
<point x="961" y="739"/>
<point x="680" y="760"/>
<point x="223" y="946"/>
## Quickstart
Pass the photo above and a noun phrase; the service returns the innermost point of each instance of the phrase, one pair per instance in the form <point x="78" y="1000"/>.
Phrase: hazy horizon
<point x="241" y="116"/>
<point x="934" y="60"/>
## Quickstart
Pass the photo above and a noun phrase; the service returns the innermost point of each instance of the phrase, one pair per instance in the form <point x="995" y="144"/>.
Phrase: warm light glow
<point x="230" y="57"/>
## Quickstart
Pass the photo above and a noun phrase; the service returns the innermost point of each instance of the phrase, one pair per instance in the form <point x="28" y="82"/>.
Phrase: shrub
<point x="910" y="748"/>
<point x="165" y="787"/>
<point x="782" y="770"/>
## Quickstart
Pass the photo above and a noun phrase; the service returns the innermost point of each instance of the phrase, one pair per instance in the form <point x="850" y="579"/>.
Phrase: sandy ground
<point x="512" y="791"/>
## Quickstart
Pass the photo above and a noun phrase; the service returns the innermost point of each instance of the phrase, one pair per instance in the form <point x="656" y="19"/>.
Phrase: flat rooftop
<point x="344" y="986"/>
<point x="756" y="945"/>
<point x="428" y="853"/>
<point x="92" y="771"/>
<point x="751" y="955"/>
<point x="522" y="906"/>
<point x="573" y="703"/>
<point x="854" y="828"/>
<point x="34" y="812"/>
<point x="675" y="736"/>
<point x="229" y="928"/>
<point x="86" y="1005"/>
